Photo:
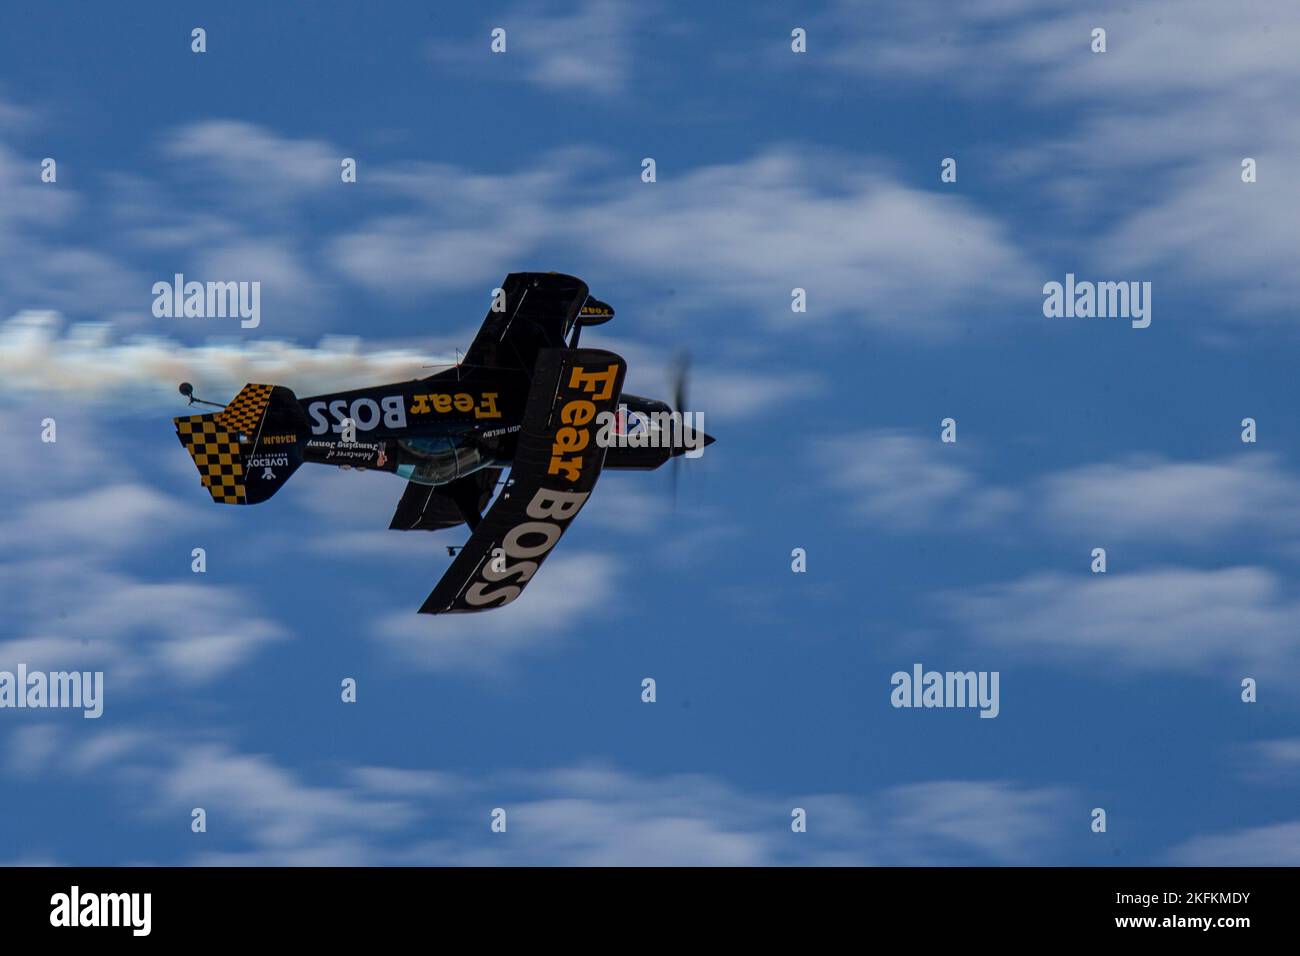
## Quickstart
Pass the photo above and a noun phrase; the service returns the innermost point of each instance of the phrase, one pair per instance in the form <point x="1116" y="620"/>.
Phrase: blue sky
<point x="775" y="170"/>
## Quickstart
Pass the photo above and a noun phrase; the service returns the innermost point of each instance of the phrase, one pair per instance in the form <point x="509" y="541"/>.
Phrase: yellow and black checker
<point x="244" y="413"/>
<point x="216" y="454"/>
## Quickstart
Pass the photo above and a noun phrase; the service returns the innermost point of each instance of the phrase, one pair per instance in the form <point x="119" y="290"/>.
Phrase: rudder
<point x="247" y="451"/>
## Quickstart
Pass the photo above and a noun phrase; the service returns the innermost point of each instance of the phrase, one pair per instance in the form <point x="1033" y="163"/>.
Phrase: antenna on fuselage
<point x="187" y="390"/>
<point x="457" y="365"/>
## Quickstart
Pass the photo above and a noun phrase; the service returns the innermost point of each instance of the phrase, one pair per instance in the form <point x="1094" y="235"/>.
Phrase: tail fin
<point x="246" y="452"/>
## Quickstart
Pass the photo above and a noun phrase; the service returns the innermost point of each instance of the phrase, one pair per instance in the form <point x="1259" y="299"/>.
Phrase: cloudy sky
<point x="775" y="170"/>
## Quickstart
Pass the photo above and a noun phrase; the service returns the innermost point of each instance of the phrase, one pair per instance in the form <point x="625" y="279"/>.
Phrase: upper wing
<point x="555" y="468"/>
<point x="536" y="311"/>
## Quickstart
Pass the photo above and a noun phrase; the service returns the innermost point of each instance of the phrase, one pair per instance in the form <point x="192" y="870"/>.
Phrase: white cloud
<point x="109" y="518"/>
<point x="13" y="116"/>
<point x="1155" y="618"/>
<point x="742" y="235"/>
<point x="728" y="394"/>
<point x="136" y="631"/>
<point x="1173" y="619"/>
<point x="1141" y="113"/>
<point x="568" y="588"/>
<point x="904" y="482"/>
<point x="1218" y="232"/>
<point x="32" y="748"/>
<point x="587" y="50"/>
<point x="271" y="805"/>
<point x="999" y="821"/>
<point x="401" y="782"/>
<point x="257" y="165"/>
<point x="453" y="227"/>
<point x="575" y="815"/>
<point x="38" y="269"/>
<point x="1040" y="49"/>
<point x="36" y="750"/>
<point x="286" y="283"/>
<point x="75" y="508"/>
<point x="1275" y="845"/>
<point x="728" y="237"/>
<point x="1272" y="761"/>
<point x="1153" y="500"/>
<point x="628" y="503"/>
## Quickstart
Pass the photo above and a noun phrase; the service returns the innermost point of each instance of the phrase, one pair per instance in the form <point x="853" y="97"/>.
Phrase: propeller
<point x="681" y="370"/>
<point x="681" y="374"/>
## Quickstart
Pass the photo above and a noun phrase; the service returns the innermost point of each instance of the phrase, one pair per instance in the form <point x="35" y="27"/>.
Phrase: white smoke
<point x="86" y="362"/>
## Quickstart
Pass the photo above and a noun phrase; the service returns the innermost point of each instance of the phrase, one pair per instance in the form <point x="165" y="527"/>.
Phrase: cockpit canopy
<point x="439" y="460"/>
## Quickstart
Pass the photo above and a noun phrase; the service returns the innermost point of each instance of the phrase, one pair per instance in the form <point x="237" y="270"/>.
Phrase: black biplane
<point x="524" y="397"/>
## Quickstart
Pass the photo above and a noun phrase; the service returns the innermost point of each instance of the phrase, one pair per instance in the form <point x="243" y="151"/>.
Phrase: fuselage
<point x="430" y="431"/>
<point x="435" y="430"/>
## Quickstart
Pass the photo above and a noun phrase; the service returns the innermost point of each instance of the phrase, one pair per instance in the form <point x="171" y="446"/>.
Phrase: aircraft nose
<point x="705" y="440"/>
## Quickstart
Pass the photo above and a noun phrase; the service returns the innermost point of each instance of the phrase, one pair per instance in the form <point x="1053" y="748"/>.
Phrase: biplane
<point x="525" y="397"/>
